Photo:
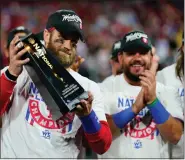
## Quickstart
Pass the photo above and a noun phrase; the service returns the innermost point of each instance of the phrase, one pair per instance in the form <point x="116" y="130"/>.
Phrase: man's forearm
<point x="114" y="129"/>
<point x="119" y="120"/>
<point x="169" y="127"/>
<point x="171" y="130"/>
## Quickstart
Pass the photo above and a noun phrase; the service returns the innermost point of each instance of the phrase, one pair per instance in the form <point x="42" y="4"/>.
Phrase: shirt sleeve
<point x="98" y="103"/>
<point x="6" y="91"/>
<point x="109" y="96"/>
<point x="170" y="98"/>
<point x="160" y="77"/>
<point x="101" y="140"/>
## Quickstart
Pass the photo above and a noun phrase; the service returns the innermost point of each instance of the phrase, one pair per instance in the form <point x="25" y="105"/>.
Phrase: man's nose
<point x="137" y="54"/>
<point x="67" y="44"/>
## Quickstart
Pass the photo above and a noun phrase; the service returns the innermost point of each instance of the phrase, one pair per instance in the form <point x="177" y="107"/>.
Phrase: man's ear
<point x="153" y="51"/>
<point x="110" y="61"/>
<point x="120" y="57"/>
<point x="46" y="36"/>
<point x="6" y="52"/>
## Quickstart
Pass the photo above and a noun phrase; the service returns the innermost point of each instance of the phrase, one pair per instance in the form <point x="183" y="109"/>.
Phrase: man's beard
<point x="119" y="71"/>
<point x="131" y="76"/>
<point x="62" y="55"/>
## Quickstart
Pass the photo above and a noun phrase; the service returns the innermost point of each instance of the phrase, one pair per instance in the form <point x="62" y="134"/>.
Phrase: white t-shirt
<point x="28" y="130"/>
<point x="168" y="77"/>
<point x="141" y="141"/>
<point x="107" y="79"/>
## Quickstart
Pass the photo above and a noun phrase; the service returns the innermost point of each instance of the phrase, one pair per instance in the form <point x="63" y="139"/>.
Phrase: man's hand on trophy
<point x="84" y="107"/>
<point x="16" y="63"/>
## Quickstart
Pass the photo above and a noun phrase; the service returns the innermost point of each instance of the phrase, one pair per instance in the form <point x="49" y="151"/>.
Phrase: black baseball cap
<point x="67" y="22"/>
<point x="136" y="41"/>
<point x="116" y="48"/>
<point x="14" y="31"/>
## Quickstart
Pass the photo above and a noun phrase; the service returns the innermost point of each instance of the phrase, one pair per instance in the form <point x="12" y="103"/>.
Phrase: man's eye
<point x="130" y="53"/>
<point x="60" y="40"/>
<point x="74" y="44"/>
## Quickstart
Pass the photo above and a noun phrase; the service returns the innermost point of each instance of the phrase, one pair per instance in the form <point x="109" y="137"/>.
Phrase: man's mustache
<point x="138" y="62"/>
<point x="65" y="50"/>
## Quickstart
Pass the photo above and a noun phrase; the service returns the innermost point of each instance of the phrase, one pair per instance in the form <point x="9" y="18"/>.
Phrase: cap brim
<point x="81" y="35"/>
<point x="136" y="48"/>
<point x="70" y="30"/>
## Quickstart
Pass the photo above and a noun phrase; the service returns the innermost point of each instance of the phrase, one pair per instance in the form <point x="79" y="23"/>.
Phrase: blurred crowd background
<point x="104" y="22"/>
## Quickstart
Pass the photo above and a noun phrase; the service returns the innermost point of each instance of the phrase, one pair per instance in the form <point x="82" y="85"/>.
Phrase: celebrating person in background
<point x="144" y="115"/>
<point x="19" y="31"/>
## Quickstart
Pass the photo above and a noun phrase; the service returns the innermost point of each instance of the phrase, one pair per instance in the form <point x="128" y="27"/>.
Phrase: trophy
<point x="60" y="91"/>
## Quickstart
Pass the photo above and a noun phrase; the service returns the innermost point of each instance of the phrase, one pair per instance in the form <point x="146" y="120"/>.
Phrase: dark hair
<point x="115" y="59"/>
<point x="180" y="65"/>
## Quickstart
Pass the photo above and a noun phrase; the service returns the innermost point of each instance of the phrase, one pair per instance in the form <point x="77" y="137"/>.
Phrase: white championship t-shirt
<point x="168" y="77"/>
<point x="142" y="141"/>
<point x="28" y="129"/>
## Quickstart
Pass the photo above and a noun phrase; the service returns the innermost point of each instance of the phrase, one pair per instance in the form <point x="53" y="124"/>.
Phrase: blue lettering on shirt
<point x="125" y="103"/>
<point x="46" y="134"/>
<point x="138" y="144"/>
<point x="120" y="102"/>
<point x="33" y="91"/>
<point x="181" y="92"/>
